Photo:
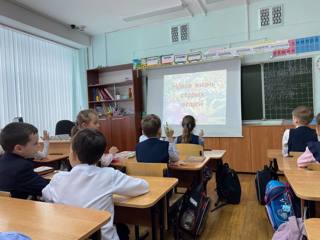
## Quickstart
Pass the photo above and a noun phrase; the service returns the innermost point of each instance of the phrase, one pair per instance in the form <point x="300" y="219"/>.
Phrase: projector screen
<point x="209" y="91"/>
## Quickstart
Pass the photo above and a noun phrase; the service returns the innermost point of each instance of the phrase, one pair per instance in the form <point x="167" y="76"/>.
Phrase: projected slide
<point x="200" y="94"/>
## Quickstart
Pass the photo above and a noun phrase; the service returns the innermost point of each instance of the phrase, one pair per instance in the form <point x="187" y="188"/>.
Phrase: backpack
<point x="291" y="230"/>
<point x="228" y="185"/>
<point x="279" y="203"/>
<point x="193" y="212"/>
<point x="263" y="177"/>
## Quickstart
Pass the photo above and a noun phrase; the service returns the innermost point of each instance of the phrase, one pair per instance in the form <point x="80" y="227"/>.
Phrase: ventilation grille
<point x="180" y="33"/>
<point x="271" y="16"/>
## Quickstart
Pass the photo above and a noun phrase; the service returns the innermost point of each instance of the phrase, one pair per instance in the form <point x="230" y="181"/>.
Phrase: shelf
<point x="121" y="100"/>
<point x="119" y="84"/>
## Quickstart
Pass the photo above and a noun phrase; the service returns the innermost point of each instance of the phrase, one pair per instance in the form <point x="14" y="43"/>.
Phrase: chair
<point x="187" y="149"/>
<point x="64" y="127"/>
<point x="5" y="194"/>
<point x="155" y="170"/>
<point x="146" y="169"/>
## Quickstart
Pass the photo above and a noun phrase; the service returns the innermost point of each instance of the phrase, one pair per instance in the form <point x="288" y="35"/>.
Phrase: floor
<point x="245" y="221"/>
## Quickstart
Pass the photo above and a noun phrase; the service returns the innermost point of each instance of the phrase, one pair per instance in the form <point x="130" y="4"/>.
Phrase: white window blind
<point x="36" y="79"/>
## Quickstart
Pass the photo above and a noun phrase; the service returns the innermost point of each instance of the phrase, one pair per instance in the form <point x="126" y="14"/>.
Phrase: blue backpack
<point x="279" y="203"/>
<point x="13" y="236"/>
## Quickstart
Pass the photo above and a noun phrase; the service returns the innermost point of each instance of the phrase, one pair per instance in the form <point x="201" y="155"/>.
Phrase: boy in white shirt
<point x="89" y="186"/>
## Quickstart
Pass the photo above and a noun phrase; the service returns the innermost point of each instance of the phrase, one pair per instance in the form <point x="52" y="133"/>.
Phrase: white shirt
<point x="285" y="140"/>
<point x="89" y="186"/>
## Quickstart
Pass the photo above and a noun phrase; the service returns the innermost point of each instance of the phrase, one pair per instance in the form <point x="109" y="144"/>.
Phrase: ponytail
<point x="188" y="124"/>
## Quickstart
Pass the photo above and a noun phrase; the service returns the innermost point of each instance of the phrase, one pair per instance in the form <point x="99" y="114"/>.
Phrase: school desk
<point x="52" y="160"/>
<point x="189" y="171"/>
<point x="192" y="172"/>
<point x="287" y="163"/>
<point x="312" y="226"/>
<point x="40" y="220"/>
<point x="57" y="146"/>
<point x="305" y="184"/>
<point x="142" y="210"/>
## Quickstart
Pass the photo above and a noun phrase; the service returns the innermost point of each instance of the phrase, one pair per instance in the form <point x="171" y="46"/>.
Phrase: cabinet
<point x="116" y="94"/>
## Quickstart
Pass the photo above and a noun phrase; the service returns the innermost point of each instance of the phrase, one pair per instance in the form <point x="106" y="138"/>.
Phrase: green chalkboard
<point x="251" y="92"/>
<point x="287" y="84"/>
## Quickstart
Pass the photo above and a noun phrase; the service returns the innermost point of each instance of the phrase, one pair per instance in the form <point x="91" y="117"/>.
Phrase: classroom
<point x="171" y="119"/>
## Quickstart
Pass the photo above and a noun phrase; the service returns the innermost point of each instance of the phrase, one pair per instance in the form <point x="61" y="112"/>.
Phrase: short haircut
<point x="16" y="133"/>
<point x="89" y="145"/>
<point x="304" y="114"/>
<point x="150" y="125"/>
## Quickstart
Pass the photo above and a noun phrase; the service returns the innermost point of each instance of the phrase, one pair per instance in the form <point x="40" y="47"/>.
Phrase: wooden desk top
<point x="158" y="188"/>
<point x="215" y="154"/>
<point x="312" y="226"/>
<point x="188" y="166"/>
<point x="287" y="163"/>
<point x="40" y="220"/>
<point x="274" y="153"/>
<point x="52" y="158"/>
<point x="304" y="183"/>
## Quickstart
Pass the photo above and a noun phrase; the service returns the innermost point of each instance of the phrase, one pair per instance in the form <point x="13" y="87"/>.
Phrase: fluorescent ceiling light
<point x="155" y="13"/>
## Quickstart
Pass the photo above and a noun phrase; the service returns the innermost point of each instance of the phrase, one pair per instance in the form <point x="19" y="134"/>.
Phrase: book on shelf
<point x="108" y="93"/>
<point x="104" y="95"/>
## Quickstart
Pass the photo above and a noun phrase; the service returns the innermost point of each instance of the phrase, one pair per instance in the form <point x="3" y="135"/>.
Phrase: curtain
<point x="39" y="80"/>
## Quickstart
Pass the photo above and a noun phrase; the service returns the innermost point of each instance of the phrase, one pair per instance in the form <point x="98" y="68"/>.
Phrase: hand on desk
<point x="113" y="150"/>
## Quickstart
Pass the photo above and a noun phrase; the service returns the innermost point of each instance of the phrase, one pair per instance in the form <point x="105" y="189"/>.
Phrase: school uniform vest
<point x="193" y="140"/>
<point x="152" y="150"/>
<point x="299" y="137"/>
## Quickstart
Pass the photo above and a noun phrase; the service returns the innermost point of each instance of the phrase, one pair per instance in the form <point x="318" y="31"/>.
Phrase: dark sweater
<point x="18" y="178"/>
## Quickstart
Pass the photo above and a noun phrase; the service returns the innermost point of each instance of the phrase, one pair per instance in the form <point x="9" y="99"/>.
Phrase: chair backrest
<point x="64" y="127"/>
<point x="146" y="169"/>
<point x="5" y="194"/>
<point x="187" y="149"/>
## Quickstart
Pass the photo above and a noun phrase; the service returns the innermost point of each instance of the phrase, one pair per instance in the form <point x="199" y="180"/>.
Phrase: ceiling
<point x="101" y="16"/>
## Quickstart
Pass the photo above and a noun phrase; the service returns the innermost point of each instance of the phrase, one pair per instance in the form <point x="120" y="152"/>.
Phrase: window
<point x="36" y="77"/>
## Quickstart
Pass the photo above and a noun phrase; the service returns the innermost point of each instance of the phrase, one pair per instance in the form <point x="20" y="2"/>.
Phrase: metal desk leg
<point x="161" y="217"/>
<point x="154" y="223"/>
<point x="96" y="235"/>
<point x="136" y="232"/>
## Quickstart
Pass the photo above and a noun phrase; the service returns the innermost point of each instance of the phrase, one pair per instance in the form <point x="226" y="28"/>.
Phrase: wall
<point x="31" y="22"/>
<point x="225" y="27"/>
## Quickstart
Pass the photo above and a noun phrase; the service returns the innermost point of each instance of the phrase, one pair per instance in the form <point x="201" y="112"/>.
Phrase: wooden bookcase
<point x="116" y="94"/>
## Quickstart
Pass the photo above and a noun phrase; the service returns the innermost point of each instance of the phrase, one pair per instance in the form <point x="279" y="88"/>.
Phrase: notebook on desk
<point x="43" y="170"/>
<point x="194" y="159"/>
<point x="125" y="155"/>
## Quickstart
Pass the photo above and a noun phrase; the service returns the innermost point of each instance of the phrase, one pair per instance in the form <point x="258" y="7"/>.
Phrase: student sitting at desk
<point x="20" y="143"/>
<point x="188" y="124"/>
<point x="40" y="154"/>
<point x="296" y="139"/>
<point x="89" y="186"/>
<point x="312" y="152"/>
<point x="154" y="150"/>
<point x="89" y="119"/>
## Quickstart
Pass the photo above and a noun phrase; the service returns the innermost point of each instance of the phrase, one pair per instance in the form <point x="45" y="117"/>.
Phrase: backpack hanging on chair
<point x="193" y="212"/>
<point x="279" y="203"/>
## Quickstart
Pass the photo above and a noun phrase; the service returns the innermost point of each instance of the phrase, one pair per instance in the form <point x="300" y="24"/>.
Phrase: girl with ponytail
<point x="188" y="124"/>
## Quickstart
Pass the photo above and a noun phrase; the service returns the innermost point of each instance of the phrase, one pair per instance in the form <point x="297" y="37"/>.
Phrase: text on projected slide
<point x="200" y="94"/>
